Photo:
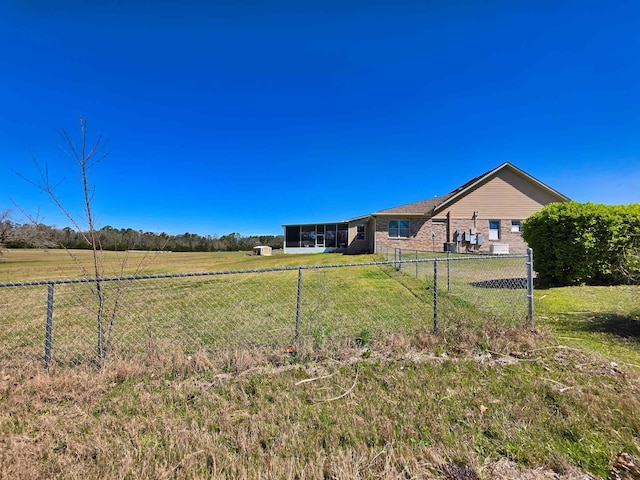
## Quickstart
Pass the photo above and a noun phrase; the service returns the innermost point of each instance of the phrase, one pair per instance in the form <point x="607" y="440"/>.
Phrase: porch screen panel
<point x="293" y="236"/>
<point x="308" y="236"/>
<point x="330" y="234"/>
<point x="343" y="235"/>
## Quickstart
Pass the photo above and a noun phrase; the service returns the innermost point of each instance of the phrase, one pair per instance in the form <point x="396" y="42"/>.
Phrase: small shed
<point x="262" y="250"/>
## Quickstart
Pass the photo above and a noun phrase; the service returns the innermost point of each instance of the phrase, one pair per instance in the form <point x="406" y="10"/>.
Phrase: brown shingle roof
<point x="426" y="206"/>
<point x="416" y="208"/>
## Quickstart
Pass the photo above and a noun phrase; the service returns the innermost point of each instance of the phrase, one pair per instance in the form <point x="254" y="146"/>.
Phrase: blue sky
<point x="241" y="116"/>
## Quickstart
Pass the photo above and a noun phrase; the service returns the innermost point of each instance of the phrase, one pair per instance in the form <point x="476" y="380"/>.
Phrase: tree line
<point x="28" y="235"/>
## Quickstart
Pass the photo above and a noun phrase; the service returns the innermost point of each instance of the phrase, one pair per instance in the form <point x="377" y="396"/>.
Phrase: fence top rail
<point x="254" y="270"/>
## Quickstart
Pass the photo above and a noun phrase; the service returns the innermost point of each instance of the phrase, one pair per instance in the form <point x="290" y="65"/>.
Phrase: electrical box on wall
<point x="480" y="239"/>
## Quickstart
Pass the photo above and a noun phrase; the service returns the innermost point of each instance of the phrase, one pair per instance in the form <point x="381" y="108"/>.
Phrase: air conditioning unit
<point x="499" y="249"/>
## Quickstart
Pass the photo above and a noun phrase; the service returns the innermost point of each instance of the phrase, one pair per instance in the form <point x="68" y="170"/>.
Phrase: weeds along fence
<point x="79" y="321"/>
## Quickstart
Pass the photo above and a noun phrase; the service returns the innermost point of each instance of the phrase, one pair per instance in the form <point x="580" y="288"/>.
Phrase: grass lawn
<point x="601" y="319"/>
<point x="483" y="399"/>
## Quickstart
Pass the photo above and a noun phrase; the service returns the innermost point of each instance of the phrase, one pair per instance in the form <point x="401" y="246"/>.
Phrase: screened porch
<point x="317" y="237"/>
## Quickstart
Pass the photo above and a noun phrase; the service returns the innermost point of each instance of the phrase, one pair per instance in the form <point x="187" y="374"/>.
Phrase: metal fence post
<point x="435" y="296"/>
<point x="448" y="271"/>
<point x="298" y="308"/>
<point x="49" y="326"/>
<point x="417" y="274"/>
<point x="502" y="296"/>
<point x="530" y="287"/>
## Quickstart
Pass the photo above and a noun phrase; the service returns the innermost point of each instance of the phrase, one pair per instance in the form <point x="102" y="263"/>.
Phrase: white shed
<point x="262" y="250"/>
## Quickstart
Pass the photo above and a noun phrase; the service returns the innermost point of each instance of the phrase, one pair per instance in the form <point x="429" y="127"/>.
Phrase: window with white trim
<point x="515" y="225"/>
<point x="398" y="228"/>
<point x="360" y="232"/>
<point x="494" y="229"/>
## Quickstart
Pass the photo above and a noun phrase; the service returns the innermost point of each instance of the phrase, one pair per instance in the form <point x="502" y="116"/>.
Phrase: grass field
<point x="22" y="265"/>
<point x="255" y="308"/>
<point x="480" y="399"/>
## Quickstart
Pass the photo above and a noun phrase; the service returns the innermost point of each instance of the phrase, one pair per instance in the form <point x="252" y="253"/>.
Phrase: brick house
<point x="483" y="215"/>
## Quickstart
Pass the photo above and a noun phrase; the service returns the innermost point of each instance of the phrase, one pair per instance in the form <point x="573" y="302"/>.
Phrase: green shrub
<point x="590" y="243"/>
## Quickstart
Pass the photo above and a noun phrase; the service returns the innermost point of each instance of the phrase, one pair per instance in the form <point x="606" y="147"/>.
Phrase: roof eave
<point x="361" y="217"/>
<point x="395" y="214"/>
<point x="310" y="223"/>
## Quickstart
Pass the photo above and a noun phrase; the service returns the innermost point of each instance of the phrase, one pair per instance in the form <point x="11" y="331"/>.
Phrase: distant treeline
<point x="14" y="235"/>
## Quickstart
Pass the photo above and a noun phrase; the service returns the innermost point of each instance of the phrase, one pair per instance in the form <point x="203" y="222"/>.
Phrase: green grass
<point x="191" y="314"/>
<point x="248" y="309"/>
<point x="603" y="319"/>
<point x="390" y="400"/>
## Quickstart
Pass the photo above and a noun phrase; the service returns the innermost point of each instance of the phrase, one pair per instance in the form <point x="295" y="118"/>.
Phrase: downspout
<point x="374" y="235"/>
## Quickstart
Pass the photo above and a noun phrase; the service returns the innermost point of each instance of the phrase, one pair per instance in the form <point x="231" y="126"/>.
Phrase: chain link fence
<point x="70" y="322"/>
<point x="489" y="287"/>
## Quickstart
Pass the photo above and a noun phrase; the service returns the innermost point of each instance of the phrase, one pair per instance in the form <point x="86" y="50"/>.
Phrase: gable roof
<point x="432" y="205"/>
<point x="415" y="208"/>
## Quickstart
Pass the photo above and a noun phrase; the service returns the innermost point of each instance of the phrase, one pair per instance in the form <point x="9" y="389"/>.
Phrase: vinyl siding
<point x="505" y="195"/>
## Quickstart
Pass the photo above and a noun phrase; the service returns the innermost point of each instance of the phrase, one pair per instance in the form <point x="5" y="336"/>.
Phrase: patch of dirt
<point x="625" y="467"/>
<point x="457" y="471"/>
<point x="507" y="470"/>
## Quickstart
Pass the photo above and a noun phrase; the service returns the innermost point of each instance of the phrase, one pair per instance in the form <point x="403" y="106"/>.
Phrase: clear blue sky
<point x="240" y="116"/>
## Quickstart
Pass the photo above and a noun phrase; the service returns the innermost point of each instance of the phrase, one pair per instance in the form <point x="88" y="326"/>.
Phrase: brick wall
<point x="421" y="238"/>
<point x="513" y="239"/>
<point x="420" y="234"/>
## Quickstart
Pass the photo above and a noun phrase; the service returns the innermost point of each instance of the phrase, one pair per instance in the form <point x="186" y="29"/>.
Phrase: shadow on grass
<point x="508" y="283"/>
<point x="624" y="326"/>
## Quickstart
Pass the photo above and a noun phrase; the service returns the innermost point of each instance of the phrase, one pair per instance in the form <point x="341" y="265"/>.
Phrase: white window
<point x="399" y="228"/>
<point x="515" y="225"/>
<point x="494" y="229"/>
<point x="359" y="232"/>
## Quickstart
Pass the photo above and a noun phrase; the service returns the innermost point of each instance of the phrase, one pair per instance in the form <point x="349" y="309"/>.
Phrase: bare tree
<point x="5" y="228"/>
<point x="86" y="156"/>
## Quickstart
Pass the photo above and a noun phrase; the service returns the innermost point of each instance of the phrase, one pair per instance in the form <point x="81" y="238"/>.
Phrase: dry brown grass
<point x="397" y="408"/>
<point x="477" y="400"/>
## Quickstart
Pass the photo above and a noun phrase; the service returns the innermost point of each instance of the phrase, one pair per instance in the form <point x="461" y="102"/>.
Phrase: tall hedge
<point x="589" y="243"/>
